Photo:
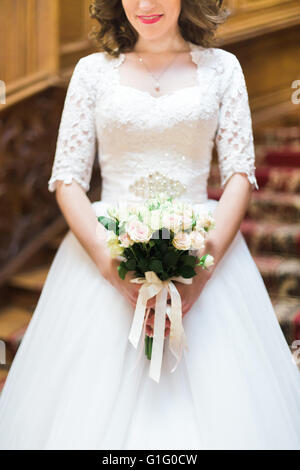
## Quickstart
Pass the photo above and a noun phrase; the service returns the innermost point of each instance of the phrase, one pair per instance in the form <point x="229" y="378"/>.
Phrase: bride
<point x="151" y="104"/>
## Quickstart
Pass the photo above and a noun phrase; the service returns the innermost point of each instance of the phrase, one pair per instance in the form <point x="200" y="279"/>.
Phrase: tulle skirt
<point x="73" y="384"/>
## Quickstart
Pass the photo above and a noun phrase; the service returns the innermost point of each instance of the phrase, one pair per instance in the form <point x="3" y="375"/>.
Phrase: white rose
<point x="124" y="211"/>
<point x="138" y="231"/>
<point x="187" y="221"/>
<point x="182" y="241"/>
<point x="197" y="240"/>
<point x="209" y="261"/>
<point x="144" y="212"/>
<point x="204" y="220"/>
<point x="162" y="197"/>
<point x="154" y="220"/>
<point x="134" y="209"/>
<point x="113" y="212"/>
<point x="171" y="221"/>
<point x="178" y="207"/>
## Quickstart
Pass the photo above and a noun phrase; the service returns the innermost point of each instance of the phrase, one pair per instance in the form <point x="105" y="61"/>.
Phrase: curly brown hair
<point x="197" y="21"/>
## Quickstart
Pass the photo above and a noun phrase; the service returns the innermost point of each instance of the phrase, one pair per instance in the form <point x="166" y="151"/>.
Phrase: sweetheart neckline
<point x="122" y="57"/>
<point x="147" y="93"/>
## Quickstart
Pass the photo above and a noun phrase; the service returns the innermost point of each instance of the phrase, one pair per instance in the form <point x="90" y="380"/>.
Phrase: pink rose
<point x="125" y="240"/>
<point x="138" y="231"/>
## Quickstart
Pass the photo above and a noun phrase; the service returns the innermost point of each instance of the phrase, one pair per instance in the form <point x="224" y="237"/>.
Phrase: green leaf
<point x="188" y="260"/>
<point x="187" y="271"/>
<point x="109" y="224"/>
<point x="164" y="276"/>
<point x="130" y="264"/>
<point x="143" y="264"/>
<point x="171" y="258"/>
<point x="156" y="266"/>
<point x="122" y="228"/>
<point x="163" y="246"/>
<point x="122" y="271"/>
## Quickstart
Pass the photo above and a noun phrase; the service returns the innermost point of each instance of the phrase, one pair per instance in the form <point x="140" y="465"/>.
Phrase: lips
<point x="148" y="19"/>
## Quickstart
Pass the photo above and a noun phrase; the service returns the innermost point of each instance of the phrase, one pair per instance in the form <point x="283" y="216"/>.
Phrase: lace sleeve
<point x="76" y="142"/>
<point x="234" y="135"/>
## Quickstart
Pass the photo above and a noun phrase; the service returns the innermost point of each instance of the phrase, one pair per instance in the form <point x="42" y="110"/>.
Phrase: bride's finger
<point x="149" y="331"/>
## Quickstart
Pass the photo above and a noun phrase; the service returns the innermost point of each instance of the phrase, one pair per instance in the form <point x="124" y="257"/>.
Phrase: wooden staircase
<point x="19" y="298"/>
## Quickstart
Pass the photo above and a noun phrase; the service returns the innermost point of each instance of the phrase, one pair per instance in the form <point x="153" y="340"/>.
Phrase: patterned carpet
<point x="272" y="223"/>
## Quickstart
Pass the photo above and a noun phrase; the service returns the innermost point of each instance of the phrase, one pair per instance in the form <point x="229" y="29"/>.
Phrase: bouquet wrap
<point x="153" y="286"/>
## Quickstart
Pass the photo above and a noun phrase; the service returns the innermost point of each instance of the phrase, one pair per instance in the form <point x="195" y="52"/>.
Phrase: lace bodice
<point x="153" y="143"/>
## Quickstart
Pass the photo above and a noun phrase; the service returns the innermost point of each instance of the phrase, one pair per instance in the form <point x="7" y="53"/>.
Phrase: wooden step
<point x="31" y="279"/>
<point x="13" y="324"/>
<point x="268" y="205"/>
<point x="287" y="309"/>
<point x="271" y="237"/>
<point x="283" y="157"/>
<point x="274" y="206"/>
<point x="3" y="376"/>
<point x="277" y="179"/>
<point x="281" y="274"/>
<point x="55" y="242"/>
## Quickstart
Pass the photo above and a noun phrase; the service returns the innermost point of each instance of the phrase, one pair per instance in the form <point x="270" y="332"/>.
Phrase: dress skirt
<point x="75" y="382"/>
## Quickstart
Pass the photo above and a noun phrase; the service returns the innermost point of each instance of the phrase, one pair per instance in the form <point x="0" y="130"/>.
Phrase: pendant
<point x="157" y="87"/>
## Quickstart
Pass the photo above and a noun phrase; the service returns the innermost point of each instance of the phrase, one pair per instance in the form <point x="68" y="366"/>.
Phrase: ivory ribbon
<point x="151" y="286"/>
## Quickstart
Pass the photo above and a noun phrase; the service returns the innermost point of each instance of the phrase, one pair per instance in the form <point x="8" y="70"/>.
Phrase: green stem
<point x="131" y="248"/>
<point x="146" y="345"/>
<point x="150" y="347"/>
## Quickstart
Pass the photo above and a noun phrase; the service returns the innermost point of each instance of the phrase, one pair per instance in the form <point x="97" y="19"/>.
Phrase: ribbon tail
<point x="142" y="345"/>
<point x="139" y="314"/>
<point x="158" y="334"/>
<point x="177" y="335"/>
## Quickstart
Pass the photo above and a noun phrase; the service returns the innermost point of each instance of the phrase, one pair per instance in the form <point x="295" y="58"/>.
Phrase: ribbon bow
<point x="152" y="286"/>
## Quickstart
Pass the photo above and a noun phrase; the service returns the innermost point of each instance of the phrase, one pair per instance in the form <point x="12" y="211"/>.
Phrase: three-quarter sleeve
<point x="76" y="142"/>
<point x="234" y="134"/>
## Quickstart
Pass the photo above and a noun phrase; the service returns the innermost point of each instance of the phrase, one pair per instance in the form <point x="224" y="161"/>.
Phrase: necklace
<point x="157" y="85"/>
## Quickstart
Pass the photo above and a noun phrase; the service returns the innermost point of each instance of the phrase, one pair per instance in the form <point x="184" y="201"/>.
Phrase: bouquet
<point x="159" y="240"/>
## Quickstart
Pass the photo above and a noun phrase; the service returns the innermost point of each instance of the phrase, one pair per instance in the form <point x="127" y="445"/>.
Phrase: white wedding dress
<point x="71" y="384"/>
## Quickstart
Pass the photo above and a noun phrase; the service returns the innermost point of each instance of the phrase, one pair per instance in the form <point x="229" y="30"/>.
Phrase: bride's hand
<point x="189" y="293"/>
<point x="150" y="324"/>
<point x="129" y="290"/>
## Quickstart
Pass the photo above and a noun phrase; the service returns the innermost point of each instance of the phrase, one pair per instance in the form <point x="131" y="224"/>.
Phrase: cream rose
<point x="182" y="241"/>
<point x="197" y="240"/>
<point x="187" y="221"/>
<point x="204" y="220"/>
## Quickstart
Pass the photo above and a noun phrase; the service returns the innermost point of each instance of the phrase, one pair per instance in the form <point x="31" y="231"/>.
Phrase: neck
<point x="171" y="43"/>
